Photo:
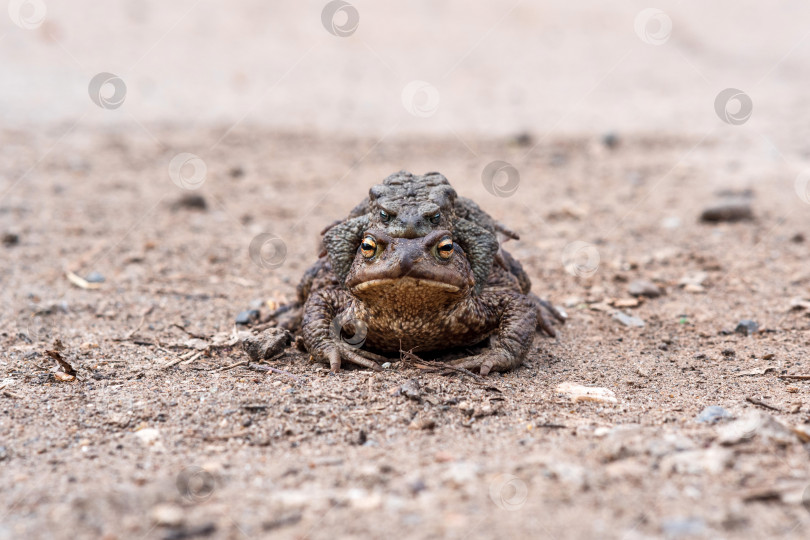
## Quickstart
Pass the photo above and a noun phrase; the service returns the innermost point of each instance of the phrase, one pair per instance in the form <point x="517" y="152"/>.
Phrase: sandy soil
<point x="152" y="440"/>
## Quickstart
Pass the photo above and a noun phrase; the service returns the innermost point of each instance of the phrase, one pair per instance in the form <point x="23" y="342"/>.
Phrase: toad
<point x="415" y="267"/>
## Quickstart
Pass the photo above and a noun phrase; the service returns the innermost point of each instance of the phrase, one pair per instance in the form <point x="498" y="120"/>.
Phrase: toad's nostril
<point x="411" y="227"/>
<point x="410" y="256"/>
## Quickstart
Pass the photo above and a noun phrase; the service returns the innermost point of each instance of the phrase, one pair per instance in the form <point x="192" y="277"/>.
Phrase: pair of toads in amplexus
<point x="417" y="268"/>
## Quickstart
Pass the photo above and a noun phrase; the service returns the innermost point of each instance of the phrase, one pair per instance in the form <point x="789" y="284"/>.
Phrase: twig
<point x="173" y="363"/>
<point x="430" y="366"/>
<point x="63" y="364"/>
<point x="187" y="357"/>
<point x="755" y="401"/>
<point x="795" y="377"/>
<point x="287" y="373"/>
<point x="193" y="357"/>
<point x="80" y="281"/>
<point x="240" y="363"/>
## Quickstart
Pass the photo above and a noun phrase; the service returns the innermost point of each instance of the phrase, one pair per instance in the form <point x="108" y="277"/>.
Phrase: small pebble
<point x="523" y="139"/>
<point x="190" y="201"/>
<point x="167" y="515"/>
<point x="728" y="353"/>
<point x="671" y="223"/>
<point x="148" y="436"/>
<point x="576" y="393"/>
<point x="411" y="390"/>
<point x="798" y="303"/>
<point x="747" y="327"/>
<point x="695" y="278"/>
<point x="642" y="287"/>
<point x="247" y="317"/>
<point x="626" y="302"/>
<point x="386" y="365"/>
<point x="628" y="320"/>
<point x="677" y="528"/>
<point x="94" y="277"/>
<point x="611" y="140"/>
<point x="10" y="239"/>
<point x="422" y="423"/>
<point x="712" y="414"/>
<point x="729" y="210"/>
<point x="416" y="486"/>
<point x="756" y="424"/>
<point x="266" y="345"/>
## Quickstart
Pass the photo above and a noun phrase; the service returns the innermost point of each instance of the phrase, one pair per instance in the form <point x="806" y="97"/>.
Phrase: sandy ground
<point x="164" y="433"/>
<point x="152" y="440"/>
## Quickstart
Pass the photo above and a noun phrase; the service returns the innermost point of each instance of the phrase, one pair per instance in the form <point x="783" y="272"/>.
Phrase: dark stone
<point x="10" y="239"/>
<point x="190" y="201"/>
<point x="266" y="345"/>
<point x="747" y="327"/>
<point x="523" y="139"/>
<point x="642" y="287"/>
<point x="248" y="317"/>
<point x="191" y="531"/>
<point x="730" y="210"/>
<point x="611" y="140"/>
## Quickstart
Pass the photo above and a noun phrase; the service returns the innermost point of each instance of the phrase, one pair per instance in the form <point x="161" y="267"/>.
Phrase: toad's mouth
<point x="407" y="282"/>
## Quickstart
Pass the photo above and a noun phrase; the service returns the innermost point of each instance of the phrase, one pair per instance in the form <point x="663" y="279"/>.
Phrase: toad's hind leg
<point x="546" y="312"/>
<point x="511" y="342"/>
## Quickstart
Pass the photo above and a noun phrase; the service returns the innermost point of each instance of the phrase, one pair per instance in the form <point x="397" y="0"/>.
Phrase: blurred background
<point x="491" y="68"/>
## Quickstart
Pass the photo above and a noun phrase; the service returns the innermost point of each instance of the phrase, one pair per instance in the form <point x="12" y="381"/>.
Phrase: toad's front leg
<point x="330" y="333"/>
<point x="511" y="342"/>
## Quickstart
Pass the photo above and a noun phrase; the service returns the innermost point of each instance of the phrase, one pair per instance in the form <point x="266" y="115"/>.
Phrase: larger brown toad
<point x="415" y="267"/>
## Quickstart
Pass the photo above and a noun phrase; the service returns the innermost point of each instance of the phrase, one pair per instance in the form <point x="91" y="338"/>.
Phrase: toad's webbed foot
<point x="334" y="353"/>
<point x="491" y="360"/>
<point x="510" y="344"/>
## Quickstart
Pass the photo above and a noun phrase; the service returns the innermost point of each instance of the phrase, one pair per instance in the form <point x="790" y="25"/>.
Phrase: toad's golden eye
<point x="369" y="247"/>
<point x="445" y="247"/>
